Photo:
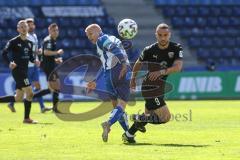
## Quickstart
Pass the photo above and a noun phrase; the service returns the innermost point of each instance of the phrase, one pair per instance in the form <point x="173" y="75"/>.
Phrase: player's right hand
<point x="133" y="83"/>
<point x="12" y="65"/>
<point x="60" y="51"/>
<point x="91" y="86"/>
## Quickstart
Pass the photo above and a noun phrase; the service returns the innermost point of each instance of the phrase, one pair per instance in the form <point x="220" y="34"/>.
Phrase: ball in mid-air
<point x="127" y="28"/>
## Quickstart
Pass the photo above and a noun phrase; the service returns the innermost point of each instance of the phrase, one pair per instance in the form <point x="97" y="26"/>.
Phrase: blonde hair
<point x="93" y="27"/>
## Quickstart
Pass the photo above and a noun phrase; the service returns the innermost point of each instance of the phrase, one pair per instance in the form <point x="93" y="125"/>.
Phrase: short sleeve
<point x="47" y="45"/>
<point x="179" y="52"/>
<point x="143" y="55"/>
<point x="8" y="46"/>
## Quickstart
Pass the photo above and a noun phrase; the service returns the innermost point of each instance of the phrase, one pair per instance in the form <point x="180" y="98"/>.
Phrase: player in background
<point x="115" y="65"/>
<point x="163" y="58"/>
<point x="33" y="70"/>
<point x="17" y="54"/>
<point x="51" y="57"/>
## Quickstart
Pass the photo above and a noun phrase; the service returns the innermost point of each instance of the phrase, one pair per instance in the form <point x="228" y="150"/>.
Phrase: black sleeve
<point x="143" y="56"/>
<point x="179" y="52"/>
<point x="5" y="52"/>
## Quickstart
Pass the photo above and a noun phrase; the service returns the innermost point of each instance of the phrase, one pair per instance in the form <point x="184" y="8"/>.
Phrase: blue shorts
<point x="33" y="74"/>
<point x="117" y="88"/>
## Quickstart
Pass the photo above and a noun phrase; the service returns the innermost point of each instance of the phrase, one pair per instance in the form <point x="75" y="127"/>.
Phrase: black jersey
<point x="158" y="59"/>
<point x="21" y="52"/>
<point x="48" y="62"/>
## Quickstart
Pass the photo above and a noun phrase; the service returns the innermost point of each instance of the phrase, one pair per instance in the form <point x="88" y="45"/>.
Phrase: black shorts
<point x="21" y="78"/>
<point x="153" y="93"/>
<point x="154" y="103"/>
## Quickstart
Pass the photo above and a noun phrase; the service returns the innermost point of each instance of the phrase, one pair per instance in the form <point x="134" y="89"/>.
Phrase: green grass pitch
<point x="200" y="130"/>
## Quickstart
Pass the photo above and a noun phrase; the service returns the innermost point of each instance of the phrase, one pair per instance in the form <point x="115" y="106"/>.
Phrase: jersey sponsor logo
<point x="155" y="56"/>
<point x="170" y="54"/>
<point x="181" y="54"/>
<point x="19" y="45"/>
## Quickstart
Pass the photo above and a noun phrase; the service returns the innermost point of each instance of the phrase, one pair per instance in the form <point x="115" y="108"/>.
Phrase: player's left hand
<point x="123" y="71"/>
<point x="155" y="75"/>
<point x="58" y="60"/>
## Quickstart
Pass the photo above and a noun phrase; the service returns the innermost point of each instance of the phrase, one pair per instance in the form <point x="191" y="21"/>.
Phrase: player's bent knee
<point x="166" y="118"/>
<point x="29" y="96"/>
<point x="18" y="98"/>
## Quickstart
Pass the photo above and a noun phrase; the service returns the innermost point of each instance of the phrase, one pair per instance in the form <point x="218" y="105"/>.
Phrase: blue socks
<point x="124" y="122"/>
<point x="116" y="114"/>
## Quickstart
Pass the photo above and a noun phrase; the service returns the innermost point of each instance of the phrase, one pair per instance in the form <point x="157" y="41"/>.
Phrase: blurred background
<point x="209" y="31"/>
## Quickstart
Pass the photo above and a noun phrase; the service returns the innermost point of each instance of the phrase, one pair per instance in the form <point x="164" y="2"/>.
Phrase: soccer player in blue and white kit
<point x="116" y="65"/>
<point x="33" y="70"/>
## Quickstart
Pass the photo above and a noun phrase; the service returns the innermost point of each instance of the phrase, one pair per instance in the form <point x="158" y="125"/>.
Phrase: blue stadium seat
<point x="190" y="21"/>
<point x="223" y="21"/>
<point x="218" y="42"/>
<point x="229" y="42"/>
<point x="206" y="42"/>
<point x="201" y="21"/>
<point x="204" y="11"/>
<point x="168" y="11"/>
<point x="177" y="22"/>
<point x="215" y="11"/>
<point x="236" y="52"/>
<point x="181" y="11"/>
<point x="212" y="21"/>
<point x="238" y="41"/>
<point x="215" y="53"/>
<point x="209" y="32"/>
<point x="203" y="53"/>
<point x="226" y="11"/>
<point x="194" y="42"/>
<point x="192" y="11"/>
<point x="232" y="32"/>
<point x="185" y="32"/>
<point x="236" y="10"/>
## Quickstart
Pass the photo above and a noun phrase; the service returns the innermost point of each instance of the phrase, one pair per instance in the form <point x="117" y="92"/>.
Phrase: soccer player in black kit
<point x="20" y="51"/>
<point x="50" y="59"/>
<point x="163" y="58"/>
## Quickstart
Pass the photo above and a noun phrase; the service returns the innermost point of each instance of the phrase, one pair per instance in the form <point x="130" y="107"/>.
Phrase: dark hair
<point x="53" y="25"/>
<point x="29" y="20"/>
<point x="163" y="26"/>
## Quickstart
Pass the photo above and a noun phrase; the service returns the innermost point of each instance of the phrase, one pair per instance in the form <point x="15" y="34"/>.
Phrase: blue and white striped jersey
<point x="111" y="51"/>
<point x="33" y="38"/>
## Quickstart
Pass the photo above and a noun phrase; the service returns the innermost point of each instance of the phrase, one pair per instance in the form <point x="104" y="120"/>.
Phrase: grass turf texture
<point x="205" y="130"/>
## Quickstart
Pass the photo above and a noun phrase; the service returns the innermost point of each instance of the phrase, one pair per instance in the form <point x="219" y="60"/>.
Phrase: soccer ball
<point x="127" y="28"/>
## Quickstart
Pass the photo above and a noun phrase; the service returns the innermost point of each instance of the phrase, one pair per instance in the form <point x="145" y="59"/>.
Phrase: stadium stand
<point x="210" y="27"/>
<point x="72" y="16"/>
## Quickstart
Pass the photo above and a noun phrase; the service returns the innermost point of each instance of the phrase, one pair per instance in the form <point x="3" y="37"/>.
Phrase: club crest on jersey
<point x="170" y="54"/>
<point x="49" y="45"/>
